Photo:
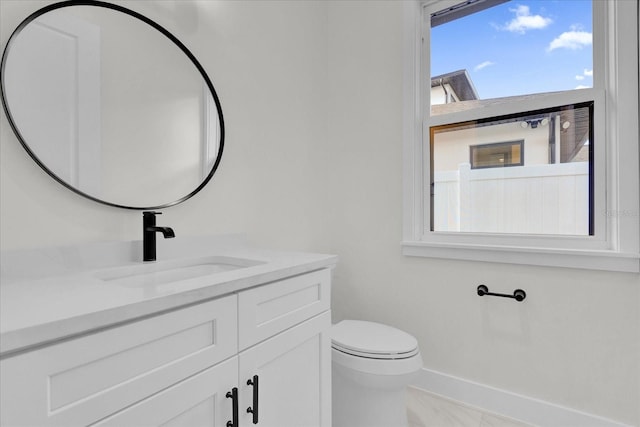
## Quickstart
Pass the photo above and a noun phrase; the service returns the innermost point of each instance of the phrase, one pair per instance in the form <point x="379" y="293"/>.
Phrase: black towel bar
<point x="518" y="294"/>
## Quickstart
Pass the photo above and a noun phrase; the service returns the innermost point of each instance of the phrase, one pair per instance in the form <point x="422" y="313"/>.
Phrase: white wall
<point x="312" y="97"/>
<point x="574" y="341"/>
<point x="267" y="61"/>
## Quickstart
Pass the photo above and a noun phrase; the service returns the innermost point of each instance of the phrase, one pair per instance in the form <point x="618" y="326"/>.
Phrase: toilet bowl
<point x="372" y="364"/>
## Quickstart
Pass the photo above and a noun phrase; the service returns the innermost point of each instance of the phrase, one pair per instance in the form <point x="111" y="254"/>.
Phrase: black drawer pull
<point x="233" y="395"/>
<point x="254" y="410"/>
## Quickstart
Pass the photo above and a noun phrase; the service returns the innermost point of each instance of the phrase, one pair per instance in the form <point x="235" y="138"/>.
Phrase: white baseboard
<point x="491" y="399"/>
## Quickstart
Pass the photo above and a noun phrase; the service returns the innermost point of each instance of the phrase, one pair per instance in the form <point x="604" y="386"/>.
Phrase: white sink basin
<point x="170" y="271"/>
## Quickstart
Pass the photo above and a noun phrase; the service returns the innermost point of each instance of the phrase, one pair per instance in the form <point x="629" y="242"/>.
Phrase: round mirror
<point x="111" y="105"/>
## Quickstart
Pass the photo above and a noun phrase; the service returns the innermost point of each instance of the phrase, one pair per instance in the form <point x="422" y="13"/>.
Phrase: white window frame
<point x="615" y="245"/>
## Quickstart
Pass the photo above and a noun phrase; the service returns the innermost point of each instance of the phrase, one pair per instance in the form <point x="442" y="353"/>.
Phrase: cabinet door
<point x="294" y="377"/>
<point x="198" y="401"/>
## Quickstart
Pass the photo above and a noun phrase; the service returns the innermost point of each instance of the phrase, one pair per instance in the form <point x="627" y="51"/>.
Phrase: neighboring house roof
<point x="573" y="138"/>
<point x="460" y="82"/>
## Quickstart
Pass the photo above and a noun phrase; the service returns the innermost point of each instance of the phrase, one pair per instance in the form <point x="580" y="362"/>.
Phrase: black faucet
<point x="149" y="230"/>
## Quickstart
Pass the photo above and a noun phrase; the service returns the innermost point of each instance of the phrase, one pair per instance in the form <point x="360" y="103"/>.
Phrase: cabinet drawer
<point x="83" y="380"/>
<point x="267" y="310"/>
<point x="197" y="401"/>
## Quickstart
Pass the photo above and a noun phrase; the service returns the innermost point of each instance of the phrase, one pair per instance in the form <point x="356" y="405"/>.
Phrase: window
<point x="552" y="194"/>
<point x="510" y="145"/>
<point x="496" y="155"/>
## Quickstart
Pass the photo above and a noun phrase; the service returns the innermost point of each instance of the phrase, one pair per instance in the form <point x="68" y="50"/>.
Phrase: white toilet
<point x="371" y="366"/>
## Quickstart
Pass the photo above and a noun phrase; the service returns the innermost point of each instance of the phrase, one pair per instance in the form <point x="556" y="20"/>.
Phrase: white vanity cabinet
<point x="176" y="368"/>
<point x="293" y="367"/>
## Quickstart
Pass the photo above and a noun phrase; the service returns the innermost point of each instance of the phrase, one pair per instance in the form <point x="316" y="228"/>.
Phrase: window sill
<point x="582" y="259"/>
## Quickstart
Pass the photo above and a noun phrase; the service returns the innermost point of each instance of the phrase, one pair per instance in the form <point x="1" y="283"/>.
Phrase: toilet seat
<point x="372" y="340"/>
<point x="383" y="356"/>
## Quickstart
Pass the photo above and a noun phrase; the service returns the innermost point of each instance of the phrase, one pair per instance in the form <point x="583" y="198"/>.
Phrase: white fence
<point x="541" y="199"/>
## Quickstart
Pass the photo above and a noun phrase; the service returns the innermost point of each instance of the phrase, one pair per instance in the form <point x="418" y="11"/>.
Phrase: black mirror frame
<point x="153" y="24"/>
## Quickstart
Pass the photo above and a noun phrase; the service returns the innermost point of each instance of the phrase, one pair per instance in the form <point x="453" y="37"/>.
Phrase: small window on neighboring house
<point x="497" y="155"/>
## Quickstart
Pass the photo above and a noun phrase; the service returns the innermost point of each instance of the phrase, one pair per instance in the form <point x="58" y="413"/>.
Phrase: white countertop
<point x="40" y="305"/>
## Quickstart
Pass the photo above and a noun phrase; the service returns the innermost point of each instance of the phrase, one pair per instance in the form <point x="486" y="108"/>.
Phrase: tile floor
<point x="425" y="409"/>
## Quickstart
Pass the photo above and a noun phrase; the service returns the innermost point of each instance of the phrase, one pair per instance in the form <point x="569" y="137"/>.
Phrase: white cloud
<point x="571" y="40"/>
<point x="582" y="87"/>
<point x="586" y="73"/>
<point x="524" y="21"/>
<point x="483" y="65"/>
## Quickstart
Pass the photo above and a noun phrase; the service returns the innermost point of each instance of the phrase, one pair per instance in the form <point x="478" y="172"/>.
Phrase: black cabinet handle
<point x="233" y="395"/>
<point x="254" y="410"/>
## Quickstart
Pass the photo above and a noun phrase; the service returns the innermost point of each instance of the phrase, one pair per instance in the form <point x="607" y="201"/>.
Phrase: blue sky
<point x="519" y="47"/>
